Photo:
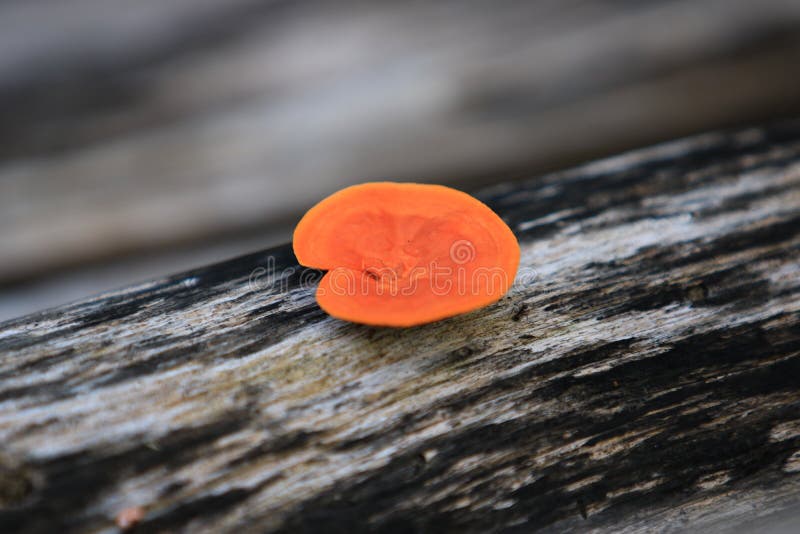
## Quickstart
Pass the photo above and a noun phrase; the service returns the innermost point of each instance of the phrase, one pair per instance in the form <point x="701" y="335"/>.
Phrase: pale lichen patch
<point x="713" y="480"/>
<point x="792" y="464"/>
<point x="785" y="430"/>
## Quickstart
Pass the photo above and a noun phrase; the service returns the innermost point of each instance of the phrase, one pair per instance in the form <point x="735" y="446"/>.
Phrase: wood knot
<point x="697" y="293"/>
<point x="462" y="352"/>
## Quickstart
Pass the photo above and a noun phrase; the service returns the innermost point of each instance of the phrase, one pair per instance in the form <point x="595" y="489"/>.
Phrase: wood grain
<point x="643" y="374"/>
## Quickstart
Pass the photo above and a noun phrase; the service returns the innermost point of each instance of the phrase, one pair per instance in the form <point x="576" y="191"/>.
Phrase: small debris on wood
<point x="129" y="517"/>
<point x="428" y="455"/>
<point x="519" y="312"/>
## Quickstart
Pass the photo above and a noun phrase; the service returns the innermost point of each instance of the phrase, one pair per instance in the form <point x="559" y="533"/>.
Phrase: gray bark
<point x="643" y="373"/>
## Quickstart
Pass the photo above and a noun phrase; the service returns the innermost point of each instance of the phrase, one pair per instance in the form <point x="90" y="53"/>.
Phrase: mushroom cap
<point x="404" y="254"/>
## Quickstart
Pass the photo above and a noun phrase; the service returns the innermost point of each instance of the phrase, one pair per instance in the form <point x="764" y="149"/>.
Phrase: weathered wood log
<point x="644" y="373"/>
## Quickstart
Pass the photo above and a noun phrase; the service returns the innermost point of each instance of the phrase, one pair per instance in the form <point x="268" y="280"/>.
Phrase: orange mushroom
<point x="404" y="254"/>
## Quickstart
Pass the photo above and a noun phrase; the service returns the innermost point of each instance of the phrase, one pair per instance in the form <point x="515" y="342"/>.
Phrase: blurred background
<point x="139" y="138"/>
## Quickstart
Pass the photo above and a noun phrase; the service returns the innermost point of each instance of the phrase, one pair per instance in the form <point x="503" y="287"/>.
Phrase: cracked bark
<point x="642" y="374"/>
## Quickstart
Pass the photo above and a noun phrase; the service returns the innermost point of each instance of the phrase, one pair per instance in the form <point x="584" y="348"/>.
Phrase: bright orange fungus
<point x="401" y="254"/>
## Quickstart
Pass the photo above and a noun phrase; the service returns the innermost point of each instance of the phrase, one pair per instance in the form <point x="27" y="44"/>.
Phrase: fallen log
<point x="643" y="373"/>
